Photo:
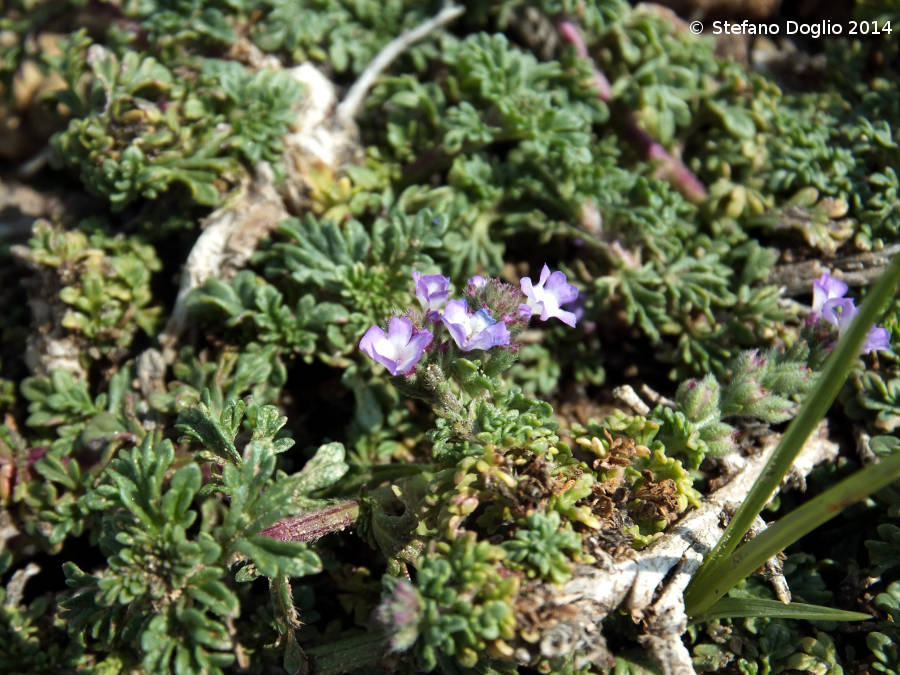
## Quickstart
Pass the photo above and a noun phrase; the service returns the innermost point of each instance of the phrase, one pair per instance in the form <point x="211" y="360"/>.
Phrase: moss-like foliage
<point x="102" y="284"/>
<point x="195" y="127"/>
<point x="543" y="547"/>
<point x="462" y="604"/>
<point x="344" y="460"/>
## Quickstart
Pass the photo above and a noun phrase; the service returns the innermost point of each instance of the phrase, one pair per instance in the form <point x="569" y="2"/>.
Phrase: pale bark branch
<point x="349" y="108"/>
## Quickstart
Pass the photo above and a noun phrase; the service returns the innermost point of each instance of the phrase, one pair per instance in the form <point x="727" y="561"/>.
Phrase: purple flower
<point x="400" y="350"/>
<point x="400" y="613"/>
<point x="549" y="294"/>
<point x="433" y="291"/>
<point x="877" y="339"/>
<point x="827" y="290"/>
<point x="477" y="281"/>
<point x="473" y="331"/>
<point x="840" y="312"/>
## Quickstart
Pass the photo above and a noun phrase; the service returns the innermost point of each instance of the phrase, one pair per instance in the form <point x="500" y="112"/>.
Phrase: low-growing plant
<point x="248" y="424"/>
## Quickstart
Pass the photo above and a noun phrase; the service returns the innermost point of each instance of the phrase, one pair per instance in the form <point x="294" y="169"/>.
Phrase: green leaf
<point x="725" y="608"/>
<point x="735" y="120"/>
<point x="52" y="468"/>
<point x="182" y="488"/>
<point x="246" y="573"/>
<point x="325" y="468"/>
<point x="273" y="556"/>
<point x="295" y="661"/>
<point x="215" y="431"/>
<point x="204" y="630"/>
<point x="216" y="596"/>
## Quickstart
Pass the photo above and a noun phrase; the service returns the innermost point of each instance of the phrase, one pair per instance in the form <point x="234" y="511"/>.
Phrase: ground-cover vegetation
<point x="407" y="337"/>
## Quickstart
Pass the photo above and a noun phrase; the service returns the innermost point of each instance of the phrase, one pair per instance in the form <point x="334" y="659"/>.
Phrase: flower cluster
<point x="830" y="305"/>
<point x="488" y="316"/>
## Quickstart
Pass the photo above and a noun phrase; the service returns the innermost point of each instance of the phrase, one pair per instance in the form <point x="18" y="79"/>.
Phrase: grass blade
<point x="726" y="608"/>
<point x="699" y="595"/>
<point x="799" y="522"/>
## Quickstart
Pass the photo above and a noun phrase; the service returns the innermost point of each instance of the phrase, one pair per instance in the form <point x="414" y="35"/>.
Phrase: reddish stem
<point x="570" y="33"/>
<point x="671" y="169"/>
<point x="313" y="524"/>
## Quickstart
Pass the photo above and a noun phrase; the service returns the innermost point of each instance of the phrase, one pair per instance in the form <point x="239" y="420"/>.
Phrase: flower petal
<point x="412" y="352"/>
<point x="496" y="335"/>
<point x="545" y="272"/>
<point x="826" y="288"/>
<point x="399" y="330"/>
<point x="367" y="344"/>
<point x="877" y="339"/>
<point x="567" y="318"/>
<point x="838" y="312"/>
<point x="432" y="291"/>
<point x="400" y="349"/>
<point x="456" y="318"/>
<point x="477" y="330"/>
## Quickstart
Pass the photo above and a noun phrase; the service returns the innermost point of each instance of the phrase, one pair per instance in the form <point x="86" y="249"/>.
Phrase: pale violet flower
<point x="844" y="312"/>
<point x="839" y="312"/>
<point x="432" y="291"/>
<point x="478" y="330"/>
<point x="477" y="281"/>
<point x="400" y="350"/>
<point x="547" y="296"/>
<point x="877" y="338"/>
<point x="828" y="292"/>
